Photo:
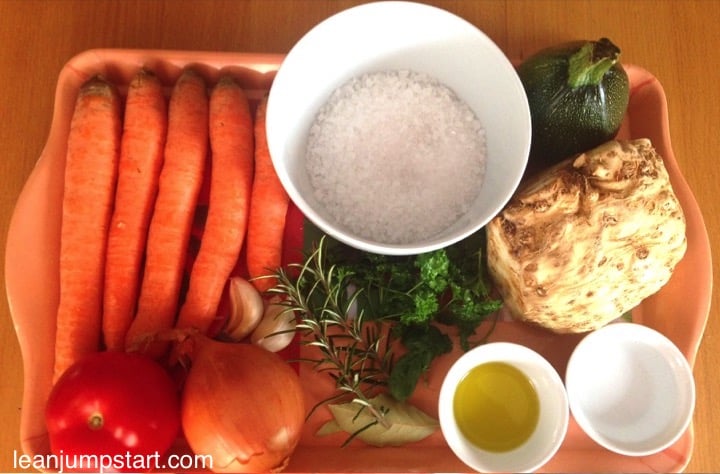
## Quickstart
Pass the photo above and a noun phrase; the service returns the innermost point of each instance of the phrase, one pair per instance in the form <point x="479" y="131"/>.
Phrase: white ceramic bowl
<point x="553" y="419"/>
<point x="630" y="389"/>
<point x="393" y="35"/>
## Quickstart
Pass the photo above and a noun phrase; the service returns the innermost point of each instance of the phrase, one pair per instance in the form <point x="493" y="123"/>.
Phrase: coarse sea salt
<point x="396" y="156"/>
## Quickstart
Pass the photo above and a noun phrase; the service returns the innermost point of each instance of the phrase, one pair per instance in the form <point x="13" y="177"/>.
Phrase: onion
<point x="241" y="404"/>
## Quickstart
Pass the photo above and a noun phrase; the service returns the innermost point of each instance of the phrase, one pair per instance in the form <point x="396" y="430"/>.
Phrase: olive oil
<point x="496" y="407"/>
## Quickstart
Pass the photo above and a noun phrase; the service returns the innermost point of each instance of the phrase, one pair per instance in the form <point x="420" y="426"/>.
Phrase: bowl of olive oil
<point x="503" y="408"/>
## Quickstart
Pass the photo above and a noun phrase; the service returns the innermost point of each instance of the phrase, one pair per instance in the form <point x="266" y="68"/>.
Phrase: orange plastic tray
<point x="679" y="310"/>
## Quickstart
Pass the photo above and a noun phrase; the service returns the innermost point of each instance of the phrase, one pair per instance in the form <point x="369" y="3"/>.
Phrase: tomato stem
<point x="95" y="421"/>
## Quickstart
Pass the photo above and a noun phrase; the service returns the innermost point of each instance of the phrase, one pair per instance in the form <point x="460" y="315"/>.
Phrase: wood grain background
<point x="678" y="41"/>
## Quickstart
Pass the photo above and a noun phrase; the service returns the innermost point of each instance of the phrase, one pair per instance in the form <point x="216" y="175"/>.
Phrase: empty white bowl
<point x="630" y="389"/>
<point x="384" y="36"/>
<point x="553" y="419"/>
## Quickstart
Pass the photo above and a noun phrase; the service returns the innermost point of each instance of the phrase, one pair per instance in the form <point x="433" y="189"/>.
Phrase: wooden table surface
<point x="675" y="40"/>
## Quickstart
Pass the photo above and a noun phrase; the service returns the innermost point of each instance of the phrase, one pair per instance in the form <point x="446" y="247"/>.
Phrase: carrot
<point x="93" y="150"/>
<point x="141" y="157"/>
<point x="268" y="208"/>
<point x="231" y="175"/>
<point x="181" y="178"/>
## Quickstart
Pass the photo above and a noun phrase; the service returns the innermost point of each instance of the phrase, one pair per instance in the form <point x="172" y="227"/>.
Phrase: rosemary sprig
<point x="351" y="348"/>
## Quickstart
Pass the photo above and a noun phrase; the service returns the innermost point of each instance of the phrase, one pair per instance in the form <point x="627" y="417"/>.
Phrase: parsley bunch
<point x="420" y="294"/>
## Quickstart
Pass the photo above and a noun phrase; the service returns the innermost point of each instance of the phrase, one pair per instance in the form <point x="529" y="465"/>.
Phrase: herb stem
<point x="323" y="298"/>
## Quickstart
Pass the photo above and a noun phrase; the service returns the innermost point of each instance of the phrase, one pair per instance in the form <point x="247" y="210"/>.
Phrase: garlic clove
<point x="246" y="309"/>
<point x="276" y="329"/>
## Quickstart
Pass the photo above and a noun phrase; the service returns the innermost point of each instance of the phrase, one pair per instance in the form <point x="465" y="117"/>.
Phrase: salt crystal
<point x="396" y="156"/>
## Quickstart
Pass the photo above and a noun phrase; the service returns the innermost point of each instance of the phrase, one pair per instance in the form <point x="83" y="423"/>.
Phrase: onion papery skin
<point x="243" y="405"/>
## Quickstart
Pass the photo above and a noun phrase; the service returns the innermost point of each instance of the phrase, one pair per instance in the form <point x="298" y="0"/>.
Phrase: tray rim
<point x="268" y="63"/>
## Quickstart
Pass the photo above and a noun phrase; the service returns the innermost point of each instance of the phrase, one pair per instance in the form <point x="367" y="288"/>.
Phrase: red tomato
<point x="116" y="405"/>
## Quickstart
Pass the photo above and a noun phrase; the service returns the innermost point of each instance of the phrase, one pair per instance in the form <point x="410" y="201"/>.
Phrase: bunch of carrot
<point x="133" y="176"/>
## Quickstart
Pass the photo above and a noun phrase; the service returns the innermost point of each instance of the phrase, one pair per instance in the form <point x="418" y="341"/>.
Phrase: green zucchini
<point x="578" y="94"/>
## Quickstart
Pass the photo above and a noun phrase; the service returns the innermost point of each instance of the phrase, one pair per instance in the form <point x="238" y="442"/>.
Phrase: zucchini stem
<point x="589" y="64"/>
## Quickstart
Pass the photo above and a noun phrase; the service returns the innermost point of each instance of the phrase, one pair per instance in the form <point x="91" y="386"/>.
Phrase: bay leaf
<point x="405" y="422"/>
<point x="328" y="428"/>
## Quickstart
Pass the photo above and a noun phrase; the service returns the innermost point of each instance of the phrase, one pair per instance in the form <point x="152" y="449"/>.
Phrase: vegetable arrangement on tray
<point x="130" y="279"/>
<point x="207" y="306"/>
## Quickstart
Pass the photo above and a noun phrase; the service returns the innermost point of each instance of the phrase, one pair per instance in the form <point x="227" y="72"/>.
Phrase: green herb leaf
<point x="406" y="372"/>
<point x="423" y="344"/>
<point x="434" y="269"/>
<point x="425" y="307"/>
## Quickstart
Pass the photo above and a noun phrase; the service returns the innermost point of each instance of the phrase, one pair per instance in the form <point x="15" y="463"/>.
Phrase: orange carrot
<point x="231" y="175"/>
<point x="141" y="157"/>
<point x="93" y="150"/>
<point x="181" y="178"/>
<point x="268" y="207"/>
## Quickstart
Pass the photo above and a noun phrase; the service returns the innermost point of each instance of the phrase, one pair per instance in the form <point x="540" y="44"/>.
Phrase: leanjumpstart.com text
<point x="101" y="463"/>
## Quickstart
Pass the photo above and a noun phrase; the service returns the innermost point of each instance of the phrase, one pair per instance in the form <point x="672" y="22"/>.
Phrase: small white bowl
<point x="630" y="389"/>
<point x="392" y="35"/>
<point x="552" y="424"/>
